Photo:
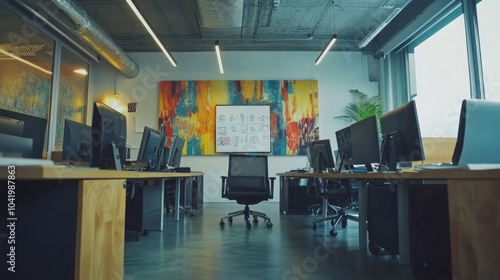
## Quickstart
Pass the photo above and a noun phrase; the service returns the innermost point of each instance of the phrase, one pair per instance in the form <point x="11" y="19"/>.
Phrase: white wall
<point x="337" y="74"/>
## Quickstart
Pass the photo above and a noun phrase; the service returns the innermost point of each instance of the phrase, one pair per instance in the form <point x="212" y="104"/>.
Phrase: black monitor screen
<point x="365" y="142"/>
<point x="401" y="136"/>
<point x="109" y="127"/>
<point x="320" y="155"/>
<point x="151" y="147"/>
<point x="175" y="152"/>
<point x="32" y="127"/>
<point x="77" y="142"/>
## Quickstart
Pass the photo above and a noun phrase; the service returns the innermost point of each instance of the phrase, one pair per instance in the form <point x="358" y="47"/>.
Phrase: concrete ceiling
<point x="241" y="25"/>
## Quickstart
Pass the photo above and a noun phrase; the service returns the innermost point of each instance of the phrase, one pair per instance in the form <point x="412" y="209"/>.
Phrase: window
<point x="488" y="22"/>
<point x="72" y="94"/>
<point x="26" y="63"/>
<point x="442" y="80"/>
<point x="27" y="56"/>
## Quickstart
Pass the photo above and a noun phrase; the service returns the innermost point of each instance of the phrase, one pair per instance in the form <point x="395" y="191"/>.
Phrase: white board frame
<point x="243" y="128"/>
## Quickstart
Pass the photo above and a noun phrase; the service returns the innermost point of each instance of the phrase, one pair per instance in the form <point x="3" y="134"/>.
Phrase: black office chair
<point x="247" y="183"/>
<point x="337" y="195"/>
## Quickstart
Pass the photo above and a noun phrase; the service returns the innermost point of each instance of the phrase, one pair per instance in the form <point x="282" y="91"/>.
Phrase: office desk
<point x="69" y="222"/>
<point x="474" y="210"/>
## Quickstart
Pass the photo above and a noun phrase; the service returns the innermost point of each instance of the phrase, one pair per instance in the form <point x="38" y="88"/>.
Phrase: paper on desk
<point x="6" y="161"/>
<point x="483" y="166"/>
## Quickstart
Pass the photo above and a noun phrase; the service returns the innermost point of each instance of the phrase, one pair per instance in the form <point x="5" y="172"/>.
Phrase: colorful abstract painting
<point x="188" y="110"/>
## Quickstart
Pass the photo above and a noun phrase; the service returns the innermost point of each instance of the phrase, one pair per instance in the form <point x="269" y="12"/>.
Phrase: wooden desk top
<point x="409" y="175"/>
<point x="63" y="172"/>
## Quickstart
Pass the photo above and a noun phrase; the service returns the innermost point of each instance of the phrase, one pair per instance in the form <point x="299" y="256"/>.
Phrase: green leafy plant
<point x="360" y="107"/>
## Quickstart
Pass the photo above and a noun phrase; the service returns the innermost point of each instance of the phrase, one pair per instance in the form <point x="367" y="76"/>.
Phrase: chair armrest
<point x="271" y="180"/>
<point x="223" y="185"/>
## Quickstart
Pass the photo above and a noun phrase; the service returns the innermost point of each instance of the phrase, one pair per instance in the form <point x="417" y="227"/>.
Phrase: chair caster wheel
<point x="255" y="221"/>
<point x="333" y="233"/>
<point x="332" y="222"/>
<point x="145" y="232"/>
<point x="315" y="226"/>
<point x="249" y="225"/>
<point x="222" y="224"/>
<point x="269" y="225"/>
<point x="230" y="219"/>
<point x="192" y="214"/>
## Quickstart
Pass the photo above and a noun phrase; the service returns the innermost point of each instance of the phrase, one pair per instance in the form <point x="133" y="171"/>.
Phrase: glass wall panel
<point x="489" y="36"/>
<point x="26" y="63"/>
<point x="442" y="80"/>
<point x="72" y="96"/>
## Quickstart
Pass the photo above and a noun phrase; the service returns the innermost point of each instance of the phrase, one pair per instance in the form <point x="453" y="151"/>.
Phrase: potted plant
<point x="360" y="107"/>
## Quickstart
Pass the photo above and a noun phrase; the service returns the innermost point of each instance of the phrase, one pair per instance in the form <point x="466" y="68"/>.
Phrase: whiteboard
<point x="242" y="128"/>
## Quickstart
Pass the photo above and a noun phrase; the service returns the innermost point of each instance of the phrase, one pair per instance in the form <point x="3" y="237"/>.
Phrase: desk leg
<point x="324" y="207"/>
<point x="403" y="225"/>
<point x="163" y="181"/>
<point x="178" y="198"/>
<point x="362" y="215"/>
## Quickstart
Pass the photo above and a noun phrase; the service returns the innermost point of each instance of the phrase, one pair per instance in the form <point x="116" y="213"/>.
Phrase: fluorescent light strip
<point x="26" y="62"/>
<point x="219" y="57"/>
<point x="138" y="14"/>
<point x="327" y="49"/>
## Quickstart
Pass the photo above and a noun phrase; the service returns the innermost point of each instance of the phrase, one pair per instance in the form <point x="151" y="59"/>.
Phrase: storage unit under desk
<point x="473" y="199"/>
<point x="69" y="222"/>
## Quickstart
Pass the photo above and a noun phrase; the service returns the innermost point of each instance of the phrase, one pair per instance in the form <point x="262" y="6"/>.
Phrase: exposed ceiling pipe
<point x="74" y="17"/>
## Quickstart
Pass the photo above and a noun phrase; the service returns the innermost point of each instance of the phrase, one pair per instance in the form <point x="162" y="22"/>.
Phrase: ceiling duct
<point x="74" y="17"/>
<point x="221" y="14"/>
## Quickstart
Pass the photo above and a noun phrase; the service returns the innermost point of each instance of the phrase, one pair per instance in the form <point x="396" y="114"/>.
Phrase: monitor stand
<point x="389" y="148"/>
<point x="116" y="157"/>
<point x="342" y="162"/>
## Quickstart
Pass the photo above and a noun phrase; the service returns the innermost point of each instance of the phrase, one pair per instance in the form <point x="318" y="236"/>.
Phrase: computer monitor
<point x="151" y="149"/>
<point x="320" y="155"/>
<point x="478" y="134"/>
<point x="401" y="141"/>
<point x="33" y="128"/>
<point x="15" y="146"/>
<point x="11" y="126"/>
<point x="365" y="142"/>
<point x="77" y="142"/>
<point x="109" y="137"/>
<point x="344" y="144"/>
<point x="175" y="152"/>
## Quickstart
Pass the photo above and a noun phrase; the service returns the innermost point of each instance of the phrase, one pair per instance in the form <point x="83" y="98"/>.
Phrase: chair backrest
<point x="248" y="176"/>
<point x="478" y="138"/>
<point x="248" y="165"/>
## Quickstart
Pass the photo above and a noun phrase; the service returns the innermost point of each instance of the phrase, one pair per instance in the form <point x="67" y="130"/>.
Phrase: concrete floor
<point x="196" y="248"/>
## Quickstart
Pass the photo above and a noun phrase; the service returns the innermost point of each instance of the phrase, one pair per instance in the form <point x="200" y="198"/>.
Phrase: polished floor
<point x="196" y="248"/>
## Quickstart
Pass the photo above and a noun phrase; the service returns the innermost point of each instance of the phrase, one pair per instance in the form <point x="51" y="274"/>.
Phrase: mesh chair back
<point x="248" y="165"/>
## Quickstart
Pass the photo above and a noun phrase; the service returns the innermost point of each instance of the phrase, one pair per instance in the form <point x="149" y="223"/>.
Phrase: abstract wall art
<point x="188" y="110"/>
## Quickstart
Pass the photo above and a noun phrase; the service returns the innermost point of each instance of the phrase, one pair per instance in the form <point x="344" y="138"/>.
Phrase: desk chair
<point x="330" y="191"/>
<point x="247" y="183"/>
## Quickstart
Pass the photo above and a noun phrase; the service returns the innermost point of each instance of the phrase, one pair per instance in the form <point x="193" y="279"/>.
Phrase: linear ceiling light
<point x="219" y="57"/>
<point x="327" y="49"/>
<point x="138" y="14"/>
<point x="25" y="62"/>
